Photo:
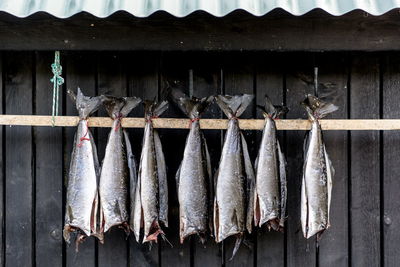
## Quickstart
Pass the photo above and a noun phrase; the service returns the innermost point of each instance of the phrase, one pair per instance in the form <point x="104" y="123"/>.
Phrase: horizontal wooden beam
<point x="212" y="124"/>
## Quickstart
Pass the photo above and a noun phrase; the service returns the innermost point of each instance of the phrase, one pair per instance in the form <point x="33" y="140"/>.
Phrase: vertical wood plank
<point x="206" y="82"/>
<point x="391" y="166"/>
<point x="143" y="83"/>
<point x="300" y="251"/>
<point x="174" y="69"/>
<point x="239" y="79"/>
<point x="80" y="72"/>
<point x="333" y="251"/>
<point x="2" y="166"/>
<point x="269" y="81"/>
<point x="112" y="80"/>
<point x="49" y="177"/>
<point x="19" y="173"/>
<point x="365" y="173"/>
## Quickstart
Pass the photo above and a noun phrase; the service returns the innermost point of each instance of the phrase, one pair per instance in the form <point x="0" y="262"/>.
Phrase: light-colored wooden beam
<point x="216" y="124"/>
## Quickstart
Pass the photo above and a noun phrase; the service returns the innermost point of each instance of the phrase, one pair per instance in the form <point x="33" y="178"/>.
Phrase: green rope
<point x="57" y="80"/>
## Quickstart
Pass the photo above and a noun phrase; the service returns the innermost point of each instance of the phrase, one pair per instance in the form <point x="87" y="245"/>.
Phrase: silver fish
<point x="193" y="178"/>
<point x="270" y="188"/>
<point x="234" y="189"/>
<point x="150" y="210"/>
<point x="114" y="177"/>
<point x="317" y="173"/>
<point x="82" y="196"/>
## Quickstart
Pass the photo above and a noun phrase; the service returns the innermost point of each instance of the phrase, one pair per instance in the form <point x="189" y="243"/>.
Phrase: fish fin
<point x="304" y="208"/>
<point x="234" y="106"/>
<point x="138" y="213"/>
<point x="209" y="182"/>
<point x="85" y="105"/>
<point x="250" y="184"/>
<point x="162" y="180"/>
<point x="177" y="177"/>
<point x="283" y="184"/>
<point x="316" y="108"/>
<point x="130" y="103"/>
<point x="272" y="110"/>
<point x="132" y="176"/>
<point x="192" y="107"/>
<point x="239" y="239"/>
<point x="160" y="108"/>
<point x="216" y="221"/>
<point x="119" y="106"/>
<point x="330" y="174"/>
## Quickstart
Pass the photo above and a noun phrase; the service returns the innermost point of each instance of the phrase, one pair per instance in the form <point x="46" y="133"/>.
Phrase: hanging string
<point x="84" y="138"/>
<point x="118" y="118"/>
<point x="57" y="80"/>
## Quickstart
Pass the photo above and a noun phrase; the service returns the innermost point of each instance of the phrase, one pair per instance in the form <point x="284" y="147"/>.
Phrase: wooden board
<point x="390" y="208"/>
<point x="80" y="72"/>
<point x="238" y="31"/>
<point x="112" y="80"/>
<point x="269" y="81"/>
<point x="49" y="168"/>
<point x="333" y="246"/>
<point x="300" y="252"/>
<point x="20" y="176"/>
<point x="364" y="207"/>
<point x="2" y="169"/>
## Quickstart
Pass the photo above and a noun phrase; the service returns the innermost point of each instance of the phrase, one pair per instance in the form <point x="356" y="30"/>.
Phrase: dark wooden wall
<point x="34" y="161"/>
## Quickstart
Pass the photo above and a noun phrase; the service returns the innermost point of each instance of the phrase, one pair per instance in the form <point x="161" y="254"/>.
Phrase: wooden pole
<point x="215" y="124"/>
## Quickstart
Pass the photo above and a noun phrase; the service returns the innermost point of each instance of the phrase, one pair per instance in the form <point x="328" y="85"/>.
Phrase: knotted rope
<point x="57" y="80"/>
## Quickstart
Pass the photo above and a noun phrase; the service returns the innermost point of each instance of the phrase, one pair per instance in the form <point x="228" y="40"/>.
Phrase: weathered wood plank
<point x="269" y="81"/>
<point x="391" y="167"/>
<point x="334" y="247"/>
<point x="206" y="82"/>
<point x="365" y="164"/>
<point x="79" y="72"/>
<point x="112" y="80"/>
<point x="2" y="168"/>
<point x="277" y="31"/>
<point x="174" y="69"/>
<point x="300" y="252"/>
<point x="143" y="83"/>
<point x="239" y="79"/>
<point x="49" y="167"/>
<point x="20" y="180"/>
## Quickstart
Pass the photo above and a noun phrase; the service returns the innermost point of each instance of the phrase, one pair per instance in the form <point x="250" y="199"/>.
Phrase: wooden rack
<point x="215" y="124"/>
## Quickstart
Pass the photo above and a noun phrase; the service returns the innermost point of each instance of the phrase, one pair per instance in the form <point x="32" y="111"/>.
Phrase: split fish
<point x="193" y="178"/>
<point x="118" y="167"/>
<point x="82" y="195"/>
<point x="150" y="210"/>
<point x="234" y="188"/>
<point x="270" y="189"/>
<point x="318" y="171"/>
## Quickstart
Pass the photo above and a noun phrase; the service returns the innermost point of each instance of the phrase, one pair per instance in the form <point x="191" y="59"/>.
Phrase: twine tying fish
<point x="119" y="118"/>
<point x="151" y="119"/>
<point x="57" y="80"/>
<point x="84" y="138"/>
<point x="193" y="120"/>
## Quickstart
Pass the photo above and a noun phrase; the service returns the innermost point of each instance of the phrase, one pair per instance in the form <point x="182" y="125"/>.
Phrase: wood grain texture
<point x="334" y="247"/>
<point x="269" y="81"/>
<point x="391" y="168"/>
<point x="365" y="164"/>
<point x="300" y="251"/>
<point x="2" y="168"/>
<point x="20" y="180"/>
<point x="49" y="177"/>
<point x="80" y="72"/>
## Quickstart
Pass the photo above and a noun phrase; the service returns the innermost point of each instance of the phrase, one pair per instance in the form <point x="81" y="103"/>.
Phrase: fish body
<point x="234" y="188"/>
<point x="317" y="174"/>
<point x="82" y="195"/>
<point x="194" y="175"/>
<point x="150" y="210"/>
<point x="270" y="188"/>
<point x="115" y="171"/>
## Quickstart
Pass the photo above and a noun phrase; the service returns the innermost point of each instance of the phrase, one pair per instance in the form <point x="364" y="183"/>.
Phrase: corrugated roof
<point x="181" y="8"/>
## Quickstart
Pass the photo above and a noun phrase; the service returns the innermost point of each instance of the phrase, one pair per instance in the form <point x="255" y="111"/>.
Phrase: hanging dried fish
<point x="82" y="196"/>
<point x="317" y="173"/>
<point x="150" y="212"/>
<point x="234" y="193"/>
<point x="118" y="163"/>
<point x="270" y="190"/>
<point x="193" y="178"/>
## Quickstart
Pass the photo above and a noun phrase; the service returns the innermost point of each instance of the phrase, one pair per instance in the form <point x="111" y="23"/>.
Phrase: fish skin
<point x="82" y="193"/>
<point x="115" y="171"/>
<point x="150" y="212"/>
<point x="193" y="178"/>
<point x="283" y="185"/>
<point x="234" y="189"/>
<point x="317" y="173"/>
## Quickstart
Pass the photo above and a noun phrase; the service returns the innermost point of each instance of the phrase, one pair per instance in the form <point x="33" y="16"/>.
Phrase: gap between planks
<point x="213" y="124"/>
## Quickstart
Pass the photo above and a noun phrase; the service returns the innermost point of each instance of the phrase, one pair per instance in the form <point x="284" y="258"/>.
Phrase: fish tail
<point x="269" y="110"/>
<point x="118" y="107"/>
<point x="234" y="106"/>
<point x="85" y="105"/>
<point x="239" y="239"/>
<point x="317" y="108"/>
